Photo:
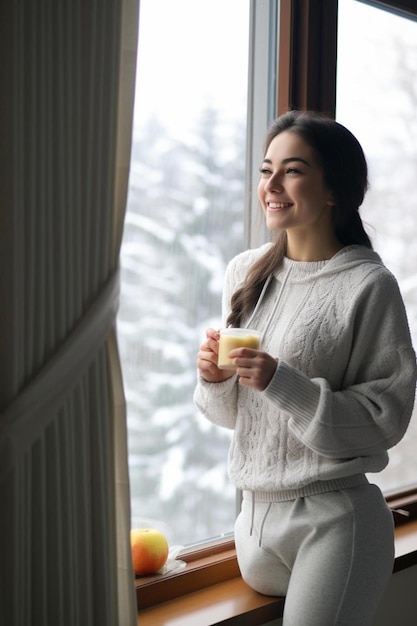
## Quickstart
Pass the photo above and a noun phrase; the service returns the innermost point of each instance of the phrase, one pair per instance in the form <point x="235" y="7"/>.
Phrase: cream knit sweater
<point x="344" y="388"/>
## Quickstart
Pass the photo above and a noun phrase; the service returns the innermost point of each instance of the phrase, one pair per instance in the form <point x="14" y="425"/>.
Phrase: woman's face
<point x="291" y="188"/>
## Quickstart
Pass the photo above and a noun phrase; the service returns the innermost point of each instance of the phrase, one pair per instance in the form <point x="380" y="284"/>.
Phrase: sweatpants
<point x="331" y="555"/>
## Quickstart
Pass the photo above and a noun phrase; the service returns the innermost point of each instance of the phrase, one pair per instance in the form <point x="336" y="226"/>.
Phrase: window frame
<point x="404" y="8"/>
<point x="261" y="106"/>
<point x="299" y="60"/>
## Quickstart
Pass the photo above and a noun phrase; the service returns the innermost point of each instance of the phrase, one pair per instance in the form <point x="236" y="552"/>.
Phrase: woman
<point x="329" y="392"/>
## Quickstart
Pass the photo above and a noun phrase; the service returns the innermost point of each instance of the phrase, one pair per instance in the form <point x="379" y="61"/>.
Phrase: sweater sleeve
<point x="218" y="401"/>
<point x="371" y="412"/>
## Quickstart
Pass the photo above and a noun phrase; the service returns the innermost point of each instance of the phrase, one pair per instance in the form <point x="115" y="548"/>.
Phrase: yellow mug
<point x="231" y="338"/>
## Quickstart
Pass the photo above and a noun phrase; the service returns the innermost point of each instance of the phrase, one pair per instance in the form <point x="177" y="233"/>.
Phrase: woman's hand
<point x="207" y="359"/>
<point x="254" y="367"/>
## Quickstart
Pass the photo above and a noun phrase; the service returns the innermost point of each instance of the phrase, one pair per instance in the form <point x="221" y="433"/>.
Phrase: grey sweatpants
<point x="330" y="554"/>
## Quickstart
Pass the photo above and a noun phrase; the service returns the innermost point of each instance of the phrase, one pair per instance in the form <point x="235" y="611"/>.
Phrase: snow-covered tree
<point x="184" y="222"/>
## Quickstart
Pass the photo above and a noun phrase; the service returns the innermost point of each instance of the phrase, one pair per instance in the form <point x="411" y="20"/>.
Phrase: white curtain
<point x="67" y="84"/>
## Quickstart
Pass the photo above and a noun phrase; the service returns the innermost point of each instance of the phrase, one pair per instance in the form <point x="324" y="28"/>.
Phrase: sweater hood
<point x="346" y="259"/>
<point x="350" y="257"/>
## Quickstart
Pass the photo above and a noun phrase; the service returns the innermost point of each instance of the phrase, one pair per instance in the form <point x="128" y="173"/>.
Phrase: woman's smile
<point x="278" y="206"/>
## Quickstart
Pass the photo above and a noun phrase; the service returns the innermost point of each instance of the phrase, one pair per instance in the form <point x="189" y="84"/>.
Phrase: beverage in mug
<point x="231" y="338"/>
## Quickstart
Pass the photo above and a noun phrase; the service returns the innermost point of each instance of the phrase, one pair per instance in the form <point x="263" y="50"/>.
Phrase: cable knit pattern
<point x="344" y="388"/>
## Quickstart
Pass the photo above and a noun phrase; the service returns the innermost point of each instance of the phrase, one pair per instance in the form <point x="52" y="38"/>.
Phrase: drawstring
<point x="252" y="522"/>
<point x="261" y="297"/>
<point x="277" y="301"/>
<point x="263" y="522"/>
<point x="253" y="516"/>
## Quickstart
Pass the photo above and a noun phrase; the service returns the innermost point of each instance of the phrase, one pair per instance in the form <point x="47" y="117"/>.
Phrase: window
<point x="185" y="220"/>
<point x="191" y="209"/>
<point x="304" y="68"/>
<point x="376" y="96"/>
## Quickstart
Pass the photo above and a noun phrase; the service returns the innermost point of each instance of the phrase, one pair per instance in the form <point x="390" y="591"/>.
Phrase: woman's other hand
<point x="207" y="359"/>
<point x="254" y="367"/>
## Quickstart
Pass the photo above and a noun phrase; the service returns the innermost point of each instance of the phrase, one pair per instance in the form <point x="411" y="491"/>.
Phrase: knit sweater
<point x="343" y="391"/>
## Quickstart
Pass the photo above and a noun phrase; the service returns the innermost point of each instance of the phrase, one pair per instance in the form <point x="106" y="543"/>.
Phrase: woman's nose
<point x="274" y="183"/>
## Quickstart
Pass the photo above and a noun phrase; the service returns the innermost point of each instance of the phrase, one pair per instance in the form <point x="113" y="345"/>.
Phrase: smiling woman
<point x="328" y="393"/>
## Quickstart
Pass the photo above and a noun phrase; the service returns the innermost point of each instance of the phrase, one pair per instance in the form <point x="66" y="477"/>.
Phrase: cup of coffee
<point x="231" y="338"/>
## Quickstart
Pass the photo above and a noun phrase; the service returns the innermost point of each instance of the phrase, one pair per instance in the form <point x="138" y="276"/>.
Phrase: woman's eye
<point x="292" y="170"/>
<point x="265" y="171"/>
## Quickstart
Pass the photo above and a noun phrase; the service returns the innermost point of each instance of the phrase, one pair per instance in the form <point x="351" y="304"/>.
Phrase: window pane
<point x="184" y="222"/>
<point x="376" y="100"/>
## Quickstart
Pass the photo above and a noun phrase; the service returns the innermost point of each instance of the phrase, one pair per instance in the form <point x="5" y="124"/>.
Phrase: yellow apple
<point x="149" y="550"/>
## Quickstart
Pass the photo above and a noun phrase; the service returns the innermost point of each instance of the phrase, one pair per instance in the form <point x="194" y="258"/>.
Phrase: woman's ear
<point x="331" y="199"/>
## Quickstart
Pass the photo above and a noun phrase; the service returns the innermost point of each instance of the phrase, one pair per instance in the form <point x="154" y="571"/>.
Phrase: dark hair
<point x="345" y="172"/>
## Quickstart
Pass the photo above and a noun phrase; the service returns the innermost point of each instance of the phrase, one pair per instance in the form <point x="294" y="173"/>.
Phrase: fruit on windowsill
<point x="149" y="550"/>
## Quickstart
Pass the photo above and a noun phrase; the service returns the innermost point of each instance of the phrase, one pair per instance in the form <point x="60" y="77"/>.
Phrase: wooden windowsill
<point x="211" y="592"/>
<point x="231" y="602"/>
<point x="405" y="545"/>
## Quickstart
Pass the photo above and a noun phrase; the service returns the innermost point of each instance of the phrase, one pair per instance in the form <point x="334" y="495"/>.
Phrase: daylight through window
<point x="184" y="222"/>
<point x="376" y="95"/>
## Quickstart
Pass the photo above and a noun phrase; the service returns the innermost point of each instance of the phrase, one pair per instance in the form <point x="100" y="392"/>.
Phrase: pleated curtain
<point x="66" y="106"/>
